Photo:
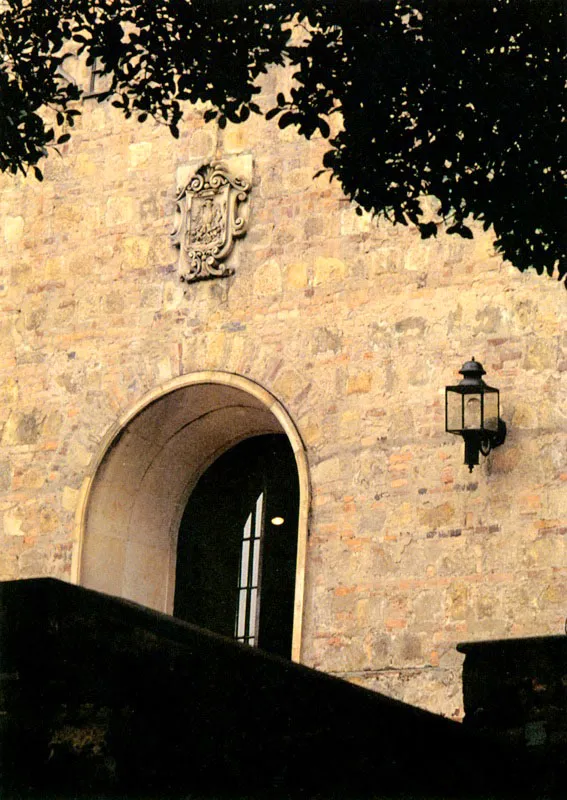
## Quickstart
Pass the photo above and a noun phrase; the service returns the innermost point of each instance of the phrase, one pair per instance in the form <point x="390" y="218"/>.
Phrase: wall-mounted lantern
<point x="472" y="410"/>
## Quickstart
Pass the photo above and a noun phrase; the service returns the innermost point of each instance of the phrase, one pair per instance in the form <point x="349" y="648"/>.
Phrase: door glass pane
<point x="256" y="563"/>
<point x="259" y="523"/>
<point x="248" y="600"/>
<point x="253" y="626"/>
<point x="241" y="618"/>
<point x="245" y="557"/>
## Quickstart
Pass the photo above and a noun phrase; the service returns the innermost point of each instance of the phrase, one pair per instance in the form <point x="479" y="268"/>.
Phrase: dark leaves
<point x="460" y="101"/>
<point x="459" y="228"/>
<point x="324" y="128"/>
<point x="427" y="229"/>
<point x="289" y="118"/>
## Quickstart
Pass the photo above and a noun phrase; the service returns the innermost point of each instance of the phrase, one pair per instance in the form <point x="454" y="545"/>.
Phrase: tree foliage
<point x="460" y="100"/>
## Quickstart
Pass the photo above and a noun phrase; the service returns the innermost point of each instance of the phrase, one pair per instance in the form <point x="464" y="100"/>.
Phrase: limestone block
<point x="5" y="475"/>
<point x="139" y="153"/>
<point x="409" y="649"/>
<point x="524" y="416"/>
<point x="28" y="478"/>
<point x="8" y="391"/>
<point x="325" y="339"/>
<point x="268" y="279"/>
<point x="173" y="295"/>
<point x="326" y="471"/>
<point x="22" y="428"/>
<point x="32" y="564"/>
<point x="35" y="314"/>
<point x="311" y="431"/>
<point x="234" y="138"/>
<point x="297" y="180"/>
<point x="203" y="141"/>
<point x="359" y="384"/>
<point x="215" y="348"/>
<point x="416" y="259"/>
<point x="349" y="423"/>
<point x="457" y="601"/>
<point x="69" y="215"/>
<point x="52" y="423"/>
<point x="353" y="223"/>
<point x="289" y="383"/>
<point x="113" y="302"/>
<point x="119" y="210"/>
<point x="47" y="519"/>
<point x="85" y="165"/>
<point x="437" y="516"/>
<point x="554" y="593"/>
<point x="164" y="369"/>
<point x="9" y="567"/>
<point x="79" y="456"/>
<point x="328" y="270"/>
<point x="297" y="275"/>
<point x="541" y="354"/>
<point x="70" y="498"/>
<point x="135" y="252"/>
<point x="12" y="523"/>
<point x="411" y="325"/>
<point x="13" y="229"/>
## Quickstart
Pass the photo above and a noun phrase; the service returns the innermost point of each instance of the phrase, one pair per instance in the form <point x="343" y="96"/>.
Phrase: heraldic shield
<point x="207" y="221"/>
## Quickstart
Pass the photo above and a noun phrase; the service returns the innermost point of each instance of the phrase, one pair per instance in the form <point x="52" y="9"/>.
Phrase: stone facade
<point x="355" y="327"/>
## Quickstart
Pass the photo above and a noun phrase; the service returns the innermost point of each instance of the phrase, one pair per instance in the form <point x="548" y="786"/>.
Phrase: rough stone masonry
<point x="354" y="326"/>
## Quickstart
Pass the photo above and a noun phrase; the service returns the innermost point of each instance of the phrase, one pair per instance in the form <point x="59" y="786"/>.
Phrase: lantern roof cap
<point x="472" y="372"/>
<point x="472" y="369"/>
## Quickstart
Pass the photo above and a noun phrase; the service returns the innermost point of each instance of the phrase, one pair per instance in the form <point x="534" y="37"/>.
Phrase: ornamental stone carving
<point x="207" y="221"/>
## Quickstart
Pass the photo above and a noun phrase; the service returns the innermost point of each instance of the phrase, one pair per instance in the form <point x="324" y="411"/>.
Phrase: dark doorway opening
<point x="237" y="546"/>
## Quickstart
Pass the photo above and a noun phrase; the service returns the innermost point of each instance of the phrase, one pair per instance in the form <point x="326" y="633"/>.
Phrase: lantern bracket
<point x="490" y="441"/>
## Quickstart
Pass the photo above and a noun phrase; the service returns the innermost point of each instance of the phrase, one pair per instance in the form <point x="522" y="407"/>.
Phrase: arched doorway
<point x="151" y="461"/>
<point x="237" y="546"/>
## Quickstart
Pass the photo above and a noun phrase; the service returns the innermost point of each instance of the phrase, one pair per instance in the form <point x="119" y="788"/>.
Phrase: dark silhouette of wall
<point x="103" y="698"/>
<point x="516" y="690"/>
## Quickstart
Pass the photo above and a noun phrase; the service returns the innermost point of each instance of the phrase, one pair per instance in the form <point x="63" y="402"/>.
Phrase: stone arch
<point x="150" y="460"/>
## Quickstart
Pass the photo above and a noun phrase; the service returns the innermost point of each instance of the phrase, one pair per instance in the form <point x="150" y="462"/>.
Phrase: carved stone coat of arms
<point x="207" y="221"/>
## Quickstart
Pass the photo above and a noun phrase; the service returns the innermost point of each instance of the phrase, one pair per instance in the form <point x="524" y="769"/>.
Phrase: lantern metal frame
<point x="483" y="437"/>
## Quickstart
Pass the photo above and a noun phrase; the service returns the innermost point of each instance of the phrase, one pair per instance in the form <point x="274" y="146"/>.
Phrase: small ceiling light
<point x="277" y="520"/>
<point x="472" y="410"/>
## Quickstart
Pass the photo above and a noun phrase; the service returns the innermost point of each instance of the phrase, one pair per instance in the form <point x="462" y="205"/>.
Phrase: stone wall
<point x="355" y="327"/>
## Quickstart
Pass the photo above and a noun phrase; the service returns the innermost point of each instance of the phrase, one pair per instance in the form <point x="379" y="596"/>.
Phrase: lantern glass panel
<point x="491" y="411"/>
<point x="454" y="421"/>
<point x="473" y="413"/>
